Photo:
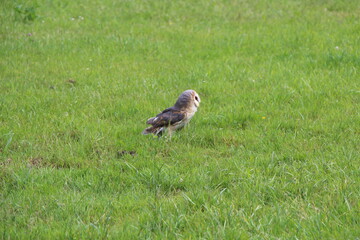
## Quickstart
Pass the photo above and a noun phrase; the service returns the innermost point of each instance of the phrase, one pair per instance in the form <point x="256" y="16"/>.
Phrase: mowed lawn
<point x="272" y="153"/>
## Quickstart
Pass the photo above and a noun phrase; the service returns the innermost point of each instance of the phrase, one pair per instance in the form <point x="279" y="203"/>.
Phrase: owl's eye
<point x="196" y="98"/>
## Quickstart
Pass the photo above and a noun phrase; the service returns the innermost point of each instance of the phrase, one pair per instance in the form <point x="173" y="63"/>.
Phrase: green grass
<point x="273" y="151"/>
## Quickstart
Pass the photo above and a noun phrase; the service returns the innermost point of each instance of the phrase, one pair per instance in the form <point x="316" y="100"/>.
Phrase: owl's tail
<point x="148" y="130"/>
<point x="158" y="131"/>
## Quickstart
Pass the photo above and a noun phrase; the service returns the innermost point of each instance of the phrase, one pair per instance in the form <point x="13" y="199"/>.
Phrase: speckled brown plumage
<point x="176" y="117"/>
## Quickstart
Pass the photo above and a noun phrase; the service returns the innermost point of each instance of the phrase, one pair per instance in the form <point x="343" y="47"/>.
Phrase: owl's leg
<point x="159" y="132"/>
<point x="170" y="132"/>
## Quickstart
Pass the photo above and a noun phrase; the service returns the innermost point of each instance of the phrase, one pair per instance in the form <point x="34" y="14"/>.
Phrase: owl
<point x="175" y="117"/>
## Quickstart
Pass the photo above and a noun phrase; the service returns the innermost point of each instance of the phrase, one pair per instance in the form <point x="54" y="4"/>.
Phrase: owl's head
<point x="188" y="99"/>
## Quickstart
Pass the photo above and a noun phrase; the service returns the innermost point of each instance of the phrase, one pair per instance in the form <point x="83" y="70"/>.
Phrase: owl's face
<point x="188" y="99"/>
<point x="197" y="99"/>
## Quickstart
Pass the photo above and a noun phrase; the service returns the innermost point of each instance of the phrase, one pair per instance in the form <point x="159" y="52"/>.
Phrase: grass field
<point x="272" y="153"/>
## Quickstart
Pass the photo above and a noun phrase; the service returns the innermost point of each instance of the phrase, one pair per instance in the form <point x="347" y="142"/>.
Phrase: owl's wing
<point x="169" y="116"/>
